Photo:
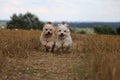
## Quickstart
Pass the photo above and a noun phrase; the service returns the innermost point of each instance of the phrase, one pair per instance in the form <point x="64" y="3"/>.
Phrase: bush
<point x="26" y="21"/>
<point x="118" y="30"/>
<point x="106" y="29"/>
<point x="82" y="32"/>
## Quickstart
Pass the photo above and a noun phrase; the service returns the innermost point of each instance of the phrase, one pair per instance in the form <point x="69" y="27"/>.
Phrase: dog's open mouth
<point x="61" y="36"/>
<point x="48" y="34"/>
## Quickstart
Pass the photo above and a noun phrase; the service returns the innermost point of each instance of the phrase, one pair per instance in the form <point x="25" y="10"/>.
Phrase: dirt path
<point x="42" y="66"/>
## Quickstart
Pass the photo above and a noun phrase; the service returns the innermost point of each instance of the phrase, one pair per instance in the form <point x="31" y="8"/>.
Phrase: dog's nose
<point x="48" y="32"/>
<point x="61" y="34"/>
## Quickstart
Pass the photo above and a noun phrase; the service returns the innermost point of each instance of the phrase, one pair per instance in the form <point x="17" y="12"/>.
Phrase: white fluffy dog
<point x="47" y="37"/>
<point x="63" y="41"/>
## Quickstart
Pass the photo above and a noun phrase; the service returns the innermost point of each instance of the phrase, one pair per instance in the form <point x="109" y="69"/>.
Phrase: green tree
<point x="106" y="29"/>
<point x="25" y="21"/>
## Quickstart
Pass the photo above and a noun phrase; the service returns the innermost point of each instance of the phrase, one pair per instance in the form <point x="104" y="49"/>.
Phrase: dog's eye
<point x="50" y="29"/>
<point x="65" y="31"/>
<point x="46" y="29"/>
<point x="59" y="30"/>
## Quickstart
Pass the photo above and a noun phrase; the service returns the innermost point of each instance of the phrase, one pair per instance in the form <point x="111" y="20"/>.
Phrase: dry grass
<point x="93" y="57"/>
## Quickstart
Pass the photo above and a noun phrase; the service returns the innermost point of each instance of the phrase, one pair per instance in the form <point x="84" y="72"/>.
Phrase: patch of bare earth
<point x="41" y="66"/>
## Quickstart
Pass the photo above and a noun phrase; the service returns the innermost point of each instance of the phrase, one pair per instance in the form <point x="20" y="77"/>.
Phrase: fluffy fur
<point x="63" y="41"/>
<point x="47" y="37"/>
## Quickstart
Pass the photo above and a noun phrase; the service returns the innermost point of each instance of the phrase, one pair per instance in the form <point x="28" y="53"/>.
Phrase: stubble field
<point x="93" y="57"/>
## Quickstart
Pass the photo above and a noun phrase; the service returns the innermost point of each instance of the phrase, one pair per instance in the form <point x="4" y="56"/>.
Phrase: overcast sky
<point x="63" y="10"/>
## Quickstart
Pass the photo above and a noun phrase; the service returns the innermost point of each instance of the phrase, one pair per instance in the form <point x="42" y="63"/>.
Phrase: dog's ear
<point x="57" y="27"/>
<point x="67" y="25"/>
<point x="49" y="22"/>
<point x="59" y="24"/>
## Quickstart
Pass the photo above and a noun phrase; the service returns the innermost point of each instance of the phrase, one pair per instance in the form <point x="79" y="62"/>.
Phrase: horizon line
<point x="66" y="21"/>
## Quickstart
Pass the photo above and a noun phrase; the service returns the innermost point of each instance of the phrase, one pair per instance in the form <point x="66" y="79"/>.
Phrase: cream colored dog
<point x="47" y="37"/>
<point x="63" y="41"/>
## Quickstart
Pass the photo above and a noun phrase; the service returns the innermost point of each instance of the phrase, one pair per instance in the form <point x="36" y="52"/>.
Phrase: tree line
<point x="106" y="29"/>
<point x="30" y="21"/>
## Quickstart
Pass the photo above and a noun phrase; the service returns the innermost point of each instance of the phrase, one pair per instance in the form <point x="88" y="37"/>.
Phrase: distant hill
<point x="84" y="24"/>
<point x="3" y="21"/>
<point x="92" y="24"/>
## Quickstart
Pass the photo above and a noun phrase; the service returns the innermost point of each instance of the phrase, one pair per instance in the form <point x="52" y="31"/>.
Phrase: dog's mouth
<point x="48" y="34"/>
<point x="61" y="36"/>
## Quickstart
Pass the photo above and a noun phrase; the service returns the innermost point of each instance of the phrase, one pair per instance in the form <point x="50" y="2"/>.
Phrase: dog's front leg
<point x="58" y="47"/>
<point x="50" y="46"/>
<point x="44" y="44"/>
<point x="66" y="47"/>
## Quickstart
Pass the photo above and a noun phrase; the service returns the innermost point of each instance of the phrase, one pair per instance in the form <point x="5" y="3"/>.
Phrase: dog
<point x="63" y="40"/>
<point x="47" y="37"/>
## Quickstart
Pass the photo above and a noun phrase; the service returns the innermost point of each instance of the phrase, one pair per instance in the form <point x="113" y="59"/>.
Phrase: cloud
<point x="61" y="10"/>
<point x="39" y="10"/>
<point x="10" y="6"/>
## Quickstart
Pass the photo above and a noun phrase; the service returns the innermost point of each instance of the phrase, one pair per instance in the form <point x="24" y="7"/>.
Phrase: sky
<point x="64" y="10"/>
